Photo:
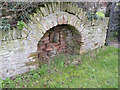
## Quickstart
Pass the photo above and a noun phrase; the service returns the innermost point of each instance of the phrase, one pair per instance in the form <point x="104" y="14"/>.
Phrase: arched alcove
<point x="59" y="39"/>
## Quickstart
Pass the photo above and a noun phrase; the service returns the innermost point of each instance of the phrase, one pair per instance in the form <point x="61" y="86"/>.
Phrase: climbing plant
<point x="100" y="14"/>
<point x="20" y="24"/>
<point x="16" y="14"/>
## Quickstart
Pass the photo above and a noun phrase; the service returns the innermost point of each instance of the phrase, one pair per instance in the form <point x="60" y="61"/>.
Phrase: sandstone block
<point x="25" y="31"/>
<point x="45" y="24"/>
<point x="0" y="35"/>
<point x="41" y="28"/>
<point x="58" y="6"/>
<point x="69" y="8"/>
<point x="59" y="18"/>
<point x="14" y="34"/>
<point x="74" y="20"/>
<point x="78" y="24"/>
<point x="44" y="11"/>
<point x="65" y="18"/>
<point x="63" y="6"/>
<point x="54" y="19"/>
<point x="75" y="8"/>
<point x="50" y="8"/>
<point x="54" y="6"/>
<point x="50" y="22"/>
<point x="69" y="18"/>
<point x="39" y="14"/>
<point x="80" y="13"/>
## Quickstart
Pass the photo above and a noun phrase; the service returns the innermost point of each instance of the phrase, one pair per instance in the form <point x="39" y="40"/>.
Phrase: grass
<point x="96" y="69"/>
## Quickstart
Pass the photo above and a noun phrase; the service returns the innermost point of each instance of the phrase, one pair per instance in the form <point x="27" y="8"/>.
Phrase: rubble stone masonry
<point x="18" y="47"/>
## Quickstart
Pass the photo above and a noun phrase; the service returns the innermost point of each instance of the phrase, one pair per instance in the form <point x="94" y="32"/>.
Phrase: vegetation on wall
<point x="20" y="24"/>
<point x="13" y="12"/>
<point x="17" y="11"/>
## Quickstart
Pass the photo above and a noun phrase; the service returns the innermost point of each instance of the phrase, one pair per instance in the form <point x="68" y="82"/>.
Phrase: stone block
<point x="73" y="21"/>
<point x="31" y="17"/>
<point x="34" y="21"/>
<point x="63" y="6"/>
<point x="35" y="36"/>
<point x="83" y="16"/>
<point x="39" y="14"/>
<point x="25" y="31"/>
<point x="58" y="7"/>
<point x="65" y="18"/>
<point x="59" y="18"/>
<point x="53" y="18"/>
<point x="1" y="35"/>
<point x="41" y="28"/>
<point x="69" y="18"/>
<point x="10" y="35"/>
<point x="45" y="39"/>
<point x="78" y="24"/>
<point x="45" y="24"/>
<point x="50" y="8"/>
<point x="54" y="7"/>
<point x="44" y="11"/>
<point x="29" y="27"/>
<point x="50" y="22"/>
<point x="69" y="8"/>
<point x="39" y="31"/>
<point x="80" y="13"/>
<point x="19" y="33"/>
<point x="75" y="8"/>
<point x="14" y="34"/>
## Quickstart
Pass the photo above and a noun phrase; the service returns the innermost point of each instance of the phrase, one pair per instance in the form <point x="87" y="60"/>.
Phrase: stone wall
<point x="15" y="53"/>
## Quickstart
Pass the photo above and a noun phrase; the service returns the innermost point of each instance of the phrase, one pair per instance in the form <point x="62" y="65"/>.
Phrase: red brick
<point x="48" y="44"/>
<point x="42" y="47"/>
<point x="57" y="47"/>
<point x="48" y="49"/>
<point x="45" y="42"/>
<point x="54" y="44"/>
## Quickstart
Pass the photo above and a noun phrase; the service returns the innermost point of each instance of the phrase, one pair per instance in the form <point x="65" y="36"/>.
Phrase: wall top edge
<point x="60" y="0"/>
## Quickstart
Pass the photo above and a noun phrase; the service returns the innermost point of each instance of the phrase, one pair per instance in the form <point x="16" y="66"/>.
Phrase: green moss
<point x="34" y="56"/>
<point x="32" y="63"/>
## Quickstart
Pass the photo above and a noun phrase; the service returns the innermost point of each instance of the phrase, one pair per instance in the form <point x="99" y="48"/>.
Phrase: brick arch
<point x="39" y="28"/>
<point x="51" y="15"/>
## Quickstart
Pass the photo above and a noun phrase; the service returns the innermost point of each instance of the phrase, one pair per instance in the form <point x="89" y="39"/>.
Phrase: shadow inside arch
<point x="59" y="39"/>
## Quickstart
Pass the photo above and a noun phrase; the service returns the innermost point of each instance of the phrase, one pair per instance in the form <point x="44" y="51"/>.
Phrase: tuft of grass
<point x="96" y="69"/>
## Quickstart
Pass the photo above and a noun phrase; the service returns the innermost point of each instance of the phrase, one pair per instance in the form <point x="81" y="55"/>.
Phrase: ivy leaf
<point x="20" y="24"/>
<point x="100" y="14"/>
